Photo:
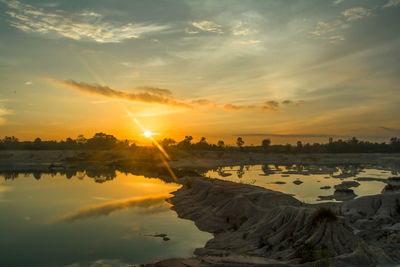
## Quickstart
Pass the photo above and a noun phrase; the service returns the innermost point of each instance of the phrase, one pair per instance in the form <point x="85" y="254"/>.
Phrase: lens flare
<point x="165" y="157"/>
<point x="147" y="133"/>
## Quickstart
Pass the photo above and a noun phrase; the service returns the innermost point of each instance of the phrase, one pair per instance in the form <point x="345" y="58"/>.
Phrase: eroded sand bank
<point x="253" y="226"/>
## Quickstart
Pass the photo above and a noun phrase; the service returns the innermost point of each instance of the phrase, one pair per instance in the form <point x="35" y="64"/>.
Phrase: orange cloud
<point x="148" y="94"/>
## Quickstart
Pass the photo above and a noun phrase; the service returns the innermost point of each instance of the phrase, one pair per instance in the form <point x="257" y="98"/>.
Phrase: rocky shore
<point x="253" y="226"/>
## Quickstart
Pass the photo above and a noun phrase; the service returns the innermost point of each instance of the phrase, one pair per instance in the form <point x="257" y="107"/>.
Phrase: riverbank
<point x="43" y="159"/>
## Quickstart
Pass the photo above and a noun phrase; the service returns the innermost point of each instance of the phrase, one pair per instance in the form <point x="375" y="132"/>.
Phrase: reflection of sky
<point x="108" y="222"/>
<point x="313" y="180"/>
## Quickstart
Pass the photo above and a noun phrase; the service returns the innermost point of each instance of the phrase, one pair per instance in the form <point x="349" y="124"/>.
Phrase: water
<point x="55" y="221"/>
<point x="281" y="178"/>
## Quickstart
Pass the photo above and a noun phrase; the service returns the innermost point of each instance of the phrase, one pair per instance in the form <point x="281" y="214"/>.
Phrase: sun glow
<point x="147" y="133"/>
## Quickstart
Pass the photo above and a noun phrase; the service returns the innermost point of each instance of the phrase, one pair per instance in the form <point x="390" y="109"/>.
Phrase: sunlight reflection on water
<point x="56" y="221"/>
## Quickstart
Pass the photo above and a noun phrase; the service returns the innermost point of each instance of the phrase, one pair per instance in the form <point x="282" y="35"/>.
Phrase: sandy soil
<point x="253" y="226"/>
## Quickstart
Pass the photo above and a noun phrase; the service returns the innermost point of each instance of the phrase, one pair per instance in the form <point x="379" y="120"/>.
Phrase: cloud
<point x="270" y="105"/>
<point x="250" y="42"/>
<point x="84" y="25"/>
<point x="151" y="95"/>
<point x="336" y="38"/>
<point x="190" y="31"/>
<point x="155" y="90"/>
<point x="207" y="26"/>
<point x="292" y="103"/>
<point x="232" y="107"/>
<point x="356" y="13"/>
<point x="325" y="30"/>
<point x="4" y="112"/>
<point x="241" y="29"/>
<point x="337" y="2"/>
<point x="28" y="83"/>
<point x="389" y="129"/>
<point x="152" y="203"/>
<point x="204" y="102"/>
<point x="392" y="3"/>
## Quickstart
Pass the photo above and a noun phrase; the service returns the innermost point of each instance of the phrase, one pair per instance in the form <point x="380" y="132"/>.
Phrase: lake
<point x="304" y="182"/>
<point x="52" y="220"/>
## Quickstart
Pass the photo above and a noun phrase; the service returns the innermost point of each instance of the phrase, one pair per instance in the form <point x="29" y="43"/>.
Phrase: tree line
<point x="102" y="141"/>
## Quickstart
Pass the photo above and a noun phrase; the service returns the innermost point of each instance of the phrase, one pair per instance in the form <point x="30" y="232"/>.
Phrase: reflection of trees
<point x="240" y="172"/>
<point x="102" y="174"/>
<point x="267" y="170"/>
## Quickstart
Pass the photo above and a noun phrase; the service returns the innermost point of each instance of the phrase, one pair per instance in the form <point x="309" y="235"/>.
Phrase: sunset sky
<point x="286" y="70"/>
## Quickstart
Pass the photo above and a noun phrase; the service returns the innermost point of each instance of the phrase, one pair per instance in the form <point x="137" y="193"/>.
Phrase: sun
<point x="147" y="133"/>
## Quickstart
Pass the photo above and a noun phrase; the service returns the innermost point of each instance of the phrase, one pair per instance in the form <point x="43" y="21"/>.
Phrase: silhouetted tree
<point x="220" y="144"/>
<point x="101" y="140"/>
<point x="202" y="144"/>
<point x="265" y="143"/>
<point x="166" y="142"/>
<point x="239" y="142"/>
<point x="81" y="139"/>
<point x="299" y="145"/>
<point x="186" y="143"/>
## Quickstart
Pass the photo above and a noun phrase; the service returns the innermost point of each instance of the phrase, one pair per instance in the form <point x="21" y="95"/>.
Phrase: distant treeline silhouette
<point x="102" y="141"/>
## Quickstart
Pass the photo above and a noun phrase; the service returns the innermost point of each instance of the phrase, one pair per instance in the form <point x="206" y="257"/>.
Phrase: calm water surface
<point x="55" y="221"/>
<point x="282" y="178"/>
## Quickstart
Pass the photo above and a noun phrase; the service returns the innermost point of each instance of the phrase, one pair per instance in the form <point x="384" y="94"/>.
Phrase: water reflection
<point x="77" y="221"/>
<point x="151" y="203"/>
<point x="311" y="183"/>
<point x="98" y="173"/>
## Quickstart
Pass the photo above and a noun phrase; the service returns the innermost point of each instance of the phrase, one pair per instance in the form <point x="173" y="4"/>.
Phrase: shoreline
<point x="42" y="159"/>
<point x="254" y="226"/>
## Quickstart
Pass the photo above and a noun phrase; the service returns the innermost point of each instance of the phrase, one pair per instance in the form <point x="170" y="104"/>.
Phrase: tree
<point x="10" y="139"/>
<point x="186" y="143"/>
<point x="102" y="140"/>
<point x="202" y="144"/>
<point x="81" y="139"/>
<point x="239" y="142"/>
<point x="265" y="143"/>
<point x="220" y="144"/>
<point x="299" y="145"/>
<point x="166" y="142"/>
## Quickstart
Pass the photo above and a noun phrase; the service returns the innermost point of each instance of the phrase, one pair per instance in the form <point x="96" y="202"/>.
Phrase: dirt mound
<point x="256" y="222"/>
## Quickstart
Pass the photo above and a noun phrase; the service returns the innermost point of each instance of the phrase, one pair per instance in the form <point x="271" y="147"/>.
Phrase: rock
<point x="367" y="179"/>
<point x="394" y="180"/>
<point x="224" y="174"/>
<point x="297" y="182"/>
<point x="160" y="235"/>
<point x="165" y="238"/>
<point x="347" y="185"/>
<point x="325" y="187"/>
<point x="344" y="194"/>
<point x="252" y="221"/>
<point x="340" y="195"/>
<point x="389" y="188"/>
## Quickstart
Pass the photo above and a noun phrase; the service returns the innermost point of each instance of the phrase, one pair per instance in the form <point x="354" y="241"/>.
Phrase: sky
<point x="279" y="69"/>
